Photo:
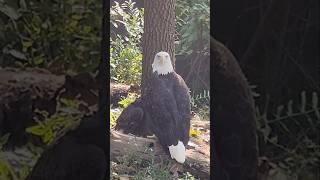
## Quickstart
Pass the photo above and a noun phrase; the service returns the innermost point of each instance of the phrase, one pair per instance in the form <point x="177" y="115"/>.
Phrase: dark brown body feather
<point x="234" y="127"/>
<point x="167" y="102"/>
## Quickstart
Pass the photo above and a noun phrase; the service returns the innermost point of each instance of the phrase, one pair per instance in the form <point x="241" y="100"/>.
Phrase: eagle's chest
<point x="166" y="82"/>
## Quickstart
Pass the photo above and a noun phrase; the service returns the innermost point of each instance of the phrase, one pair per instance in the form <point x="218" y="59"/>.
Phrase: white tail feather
<point x="178" y="152"/>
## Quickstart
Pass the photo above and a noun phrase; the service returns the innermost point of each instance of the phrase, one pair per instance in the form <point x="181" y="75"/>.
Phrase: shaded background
<point x="276" y="44"/>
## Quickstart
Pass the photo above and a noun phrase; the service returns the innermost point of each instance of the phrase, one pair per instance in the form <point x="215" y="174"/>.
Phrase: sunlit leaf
<point x="194" y="132"/>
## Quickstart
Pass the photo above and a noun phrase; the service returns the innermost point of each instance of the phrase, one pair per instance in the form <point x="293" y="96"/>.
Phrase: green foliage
<point x="128" y="100"/>
<point x="5" y="171"/>
<point x="200" y="100"/>
<point x="54" y="127"/>
<point x="59" y="35"/>
<point x="126" y="62"/>
<point x="200" y="103"/>
<point x="131" y="18"/>
<point x="145" y="169"/>
<point x="125" y="53"/>
<point x="290" y="135"/>
<point x="114" y="114"/>
<point x="16" y="165"/>
<point x="187" y="176"/>
<point x="153" y="173"/>
<point x="193" y="26"/>
<point x="3" y="140"/>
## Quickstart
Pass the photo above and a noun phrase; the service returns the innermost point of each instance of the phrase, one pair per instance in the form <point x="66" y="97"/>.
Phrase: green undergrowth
<point x="56" y="126"/>
<point x="134" y="167"/>
<point x="200" y="104"/>
<point x="289" y="136"/>
<point x="115" y="112"/>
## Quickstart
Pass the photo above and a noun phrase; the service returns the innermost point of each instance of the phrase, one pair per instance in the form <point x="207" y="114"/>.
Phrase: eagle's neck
<point x="163" y="69"/>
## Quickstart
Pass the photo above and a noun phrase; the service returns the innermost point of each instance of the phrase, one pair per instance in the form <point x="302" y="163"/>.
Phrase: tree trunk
<point x="159" y="32"/>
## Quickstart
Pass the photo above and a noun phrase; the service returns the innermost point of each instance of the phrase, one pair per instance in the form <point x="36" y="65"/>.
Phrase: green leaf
<point x="9" y="11"/>
<point x="4" y="139"/>
<point x="38" y="60"/>
<point x="26" y="45"/>
<point x="87" y="29"/>
<point x="36" y="130"/>
<point x="17" y="54"/>
<point x="76" y="17"/>
<point x="23" y="4"/>
<point x="48" y="136"/>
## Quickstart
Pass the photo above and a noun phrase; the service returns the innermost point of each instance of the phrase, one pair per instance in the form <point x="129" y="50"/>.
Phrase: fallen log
<point x="22" y="91"/>
<point x="148" y="148"/>
<point x="25" y="90"/>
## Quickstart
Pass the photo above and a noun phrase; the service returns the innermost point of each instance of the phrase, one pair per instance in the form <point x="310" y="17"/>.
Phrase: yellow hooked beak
<point x="161" y="60"/>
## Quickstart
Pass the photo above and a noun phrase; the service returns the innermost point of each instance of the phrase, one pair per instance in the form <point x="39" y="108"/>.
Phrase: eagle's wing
<point x="183" y="105"/>
<point x="162" y="107"/>
<point x="235" y="138"/>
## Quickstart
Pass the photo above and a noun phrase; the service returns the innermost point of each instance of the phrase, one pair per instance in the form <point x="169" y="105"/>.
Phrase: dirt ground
<point x="131" y="167"/>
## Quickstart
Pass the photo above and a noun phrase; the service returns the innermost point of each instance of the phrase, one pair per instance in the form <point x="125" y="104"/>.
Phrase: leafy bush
<point x="289" y="135"/>
<point x="128" y="100"/>
<point x="59" y="35"/>
<point x="140" y="169"/>
<point x="5" y="171"/>
<point x="115" y="113"/>
<point x="193" y="26"/>
<point x="17" y="164"/>
<point x="125" y="51"/>
<point x="200" y="103"/>
<point x="200" y="100"/>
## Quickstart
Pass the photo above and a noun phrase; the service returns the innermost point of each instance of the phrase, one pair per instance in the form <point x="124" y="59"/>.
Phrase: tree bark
<point x="159" y="32"/>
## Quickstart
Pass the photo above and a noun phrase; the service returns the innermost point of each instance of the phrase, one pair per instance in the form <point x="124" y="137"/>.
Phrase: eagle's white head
<point x="162" y="63"/>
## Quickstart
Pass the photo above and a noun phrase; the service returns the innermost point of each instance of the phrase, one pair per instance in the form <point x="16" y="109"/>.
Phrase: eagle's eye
<point x="167" y="56"/>
<point x="158" y="55"/>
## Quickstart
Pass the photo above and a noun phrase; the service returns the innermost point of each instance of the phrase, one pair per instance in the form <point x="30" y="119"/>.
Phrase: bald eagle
<point x="234" y="136"/>
<point x="167" y="101"/>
